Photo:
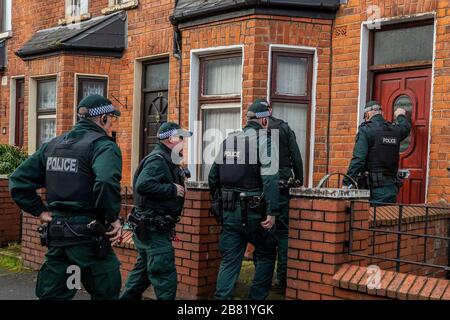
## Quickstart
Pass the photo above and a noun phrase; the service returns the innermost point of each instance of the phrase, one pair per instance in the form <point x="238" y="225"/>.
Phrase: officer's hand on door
<point x="269" y="222"/>
<point x="116" y="233"/>
<point x="180" y="190"/>
<point x="399" y="111"/>
<point x="45" y="216"/>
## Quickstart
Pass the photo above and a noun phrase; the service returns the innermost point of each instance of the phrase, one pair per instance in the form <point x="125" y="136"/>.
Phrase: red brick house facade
<point x="189" y="62"/>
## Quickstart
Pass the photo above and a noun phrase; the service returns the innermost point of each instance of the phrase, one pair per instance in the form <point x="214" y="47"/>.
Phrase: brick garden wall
<point x="10" y="217"/>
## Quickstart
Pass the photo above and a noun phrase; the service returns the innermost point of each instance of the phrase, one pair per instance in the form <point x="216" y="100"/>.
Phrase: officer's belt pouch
<point x="63" y="234"/>
<point x="102" y="246"/>
<point x="43" y="235"/>
<point x="228" y="200"/>
<point x="217" y="208"/>
<point x="376" y="179"/>
<point x="257" y="204"/>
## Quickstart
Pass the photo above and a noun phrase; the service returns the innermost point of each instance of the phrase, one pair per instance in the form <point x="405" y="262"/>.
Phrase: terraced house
<point x="317" y="61"/>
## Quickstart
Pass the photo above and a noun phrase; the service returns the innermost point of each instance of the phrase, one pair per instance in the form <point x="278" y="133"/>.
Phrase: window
<point x="88" y="86"/>
<point x="290" y="96"/>
<point x="5" y="15"/>
<point x="46" y="110"/>
<point x="220" y="104"/>
<point x="76" y="8"/>
<point x="399" y="44"/>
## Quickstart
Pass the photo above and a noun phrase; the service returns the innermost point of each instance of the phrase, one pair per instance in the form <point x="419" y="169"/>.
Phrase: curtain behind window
<point x="223" y="76"/>
<point x="225" y="119"/>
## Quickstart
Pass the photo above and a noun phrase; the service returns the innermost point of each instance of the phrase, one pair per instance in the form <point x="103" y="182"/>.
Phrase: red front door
<point x="20" y="110"/>
<point x="410" y="90"/>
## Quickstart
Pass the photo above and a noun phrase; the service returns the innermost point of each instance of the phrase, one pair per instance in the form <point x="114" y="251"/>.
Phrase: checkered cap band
<point x="167" y="134"/>
<point x="263" y="114"/>
<point x="94" y="112"/>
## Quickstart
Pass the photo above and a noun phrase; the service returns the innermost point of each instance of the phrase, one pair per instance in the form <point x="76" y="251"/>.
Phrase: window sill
<point x="118" y="7"/>
<point x="69" y="20"/>
<point x="5" y="35"/>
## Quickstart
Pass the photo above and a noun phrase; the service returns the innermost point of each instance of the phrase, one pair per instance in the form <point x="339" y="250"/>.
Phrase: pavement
<point x="21" y="286"/>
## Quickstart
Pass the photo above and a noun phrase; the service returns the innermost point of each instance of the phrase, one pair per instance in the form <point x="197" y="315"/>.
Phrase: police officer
<point x="245" y="173"/>
<point x="158" y="194"/>
<point x="291" y="175"/>
<point x="377" y="151"/>
<point x="81" y="171"/>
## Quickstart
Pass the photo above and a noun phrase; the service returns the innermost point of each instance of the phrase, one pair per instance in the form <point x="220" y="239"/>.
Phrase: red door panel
<point x="411" y="90"/>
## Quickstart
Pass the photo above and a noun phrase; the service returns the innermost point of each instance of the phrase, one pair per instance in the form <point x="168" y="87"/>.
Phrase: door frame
<point x="142" y="103"/>
<point x="136" y="112"/>
<point x="363" y="87"/>
<point x="12" y="107"/>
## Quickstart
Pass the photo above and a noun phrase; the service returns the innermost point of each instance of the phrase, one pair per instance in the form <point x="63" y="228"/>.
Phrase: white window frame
<point x="32" y="108"/>
<point x="313" y="51"/>
<point x="70" y="15"/>
<point x="8" y="30"/>
<point x="77" y="77"/>
<point x="195" y="143"/>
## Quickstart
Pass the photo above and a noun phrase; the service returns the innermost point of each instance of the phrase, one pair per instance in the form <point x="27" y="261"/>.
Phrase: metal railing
<point x="403" y="213"/>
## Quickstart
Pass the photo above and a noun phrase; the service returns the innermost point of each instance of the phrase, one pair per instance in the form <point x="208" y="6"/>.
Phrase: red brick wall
<point x="318" y="232"/>
<point x="10" y="216"/>
<point x="412" y="247"/>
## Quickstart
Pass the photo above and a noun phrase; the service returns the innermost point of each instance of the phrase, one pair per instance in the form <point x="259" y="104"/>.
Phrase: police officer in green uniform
<point x="376" y="151"/>
<point x="158" y="195"/>
<point x="81" y="171"/>
<point x="291" y="175"/>
<point x="245" y="174"/>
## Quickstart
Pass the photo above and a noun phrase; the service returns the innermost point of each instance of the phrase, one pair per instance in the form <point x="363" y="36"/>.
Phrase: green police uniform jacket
<point x="156" y="179"/>
<point x="359" y="160"/>
<point x="106" y="166"/>
<point x="269" y="179"/>
<point x="288" y="140"/>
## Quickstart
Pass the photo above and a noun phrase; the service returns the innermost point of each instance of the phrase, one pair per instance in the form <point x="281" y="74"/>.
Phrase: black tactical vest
<point x="172" y="206"/>
<point x="68" y="171"/>
<point x="284" y="155"/>
<point x="384" y="147"/>
<point x="240" y="167"/>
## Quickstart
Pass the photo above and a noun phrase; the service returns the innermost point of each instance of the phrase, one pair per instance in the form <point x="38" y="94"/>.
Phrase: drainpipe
<point x="329" y="98"/>
<point x="177" y="53"/>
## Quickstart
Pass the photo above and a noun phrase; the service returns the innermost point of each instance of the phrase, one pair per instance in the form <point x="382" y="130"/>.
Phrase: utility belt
<point x="378" y="179"/>
<point x="228" y="200"/>
<point x="60" y="233"/>
<point x="159" y="222"/>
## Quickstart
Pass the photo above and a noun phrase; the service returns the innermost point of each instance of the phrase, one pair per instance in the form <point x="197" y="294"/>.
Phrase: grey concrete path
<point x="21" y="286"/>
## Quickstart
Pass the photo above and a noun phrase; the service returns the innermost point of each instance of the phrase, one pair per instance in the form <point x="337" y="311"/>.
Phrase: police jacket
<point x="154" y="190"/>
<point x="247" y="170"/>
<point x="289" y="153"/>
<point x="81" y="171"/>
<point x="377" y="146"/>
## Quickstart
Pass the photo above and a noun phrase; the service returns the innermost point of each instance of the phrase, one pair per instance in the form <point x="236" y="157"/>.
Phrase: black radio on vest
<point x="70" y="160"/>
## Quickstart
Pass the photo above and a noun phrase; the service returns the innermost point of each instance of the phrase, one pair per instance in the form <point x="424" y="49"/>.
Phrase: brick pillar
<point x="10" y="217"/>
<point x="197" y="252"/>
<point x="318" y="239"/>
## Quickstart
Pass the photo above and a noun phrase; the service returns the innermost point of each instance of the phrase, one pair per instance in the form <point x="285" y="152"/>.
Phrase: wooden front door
<point x="410" y="90"/>
<point x="20" y="113"/>
<point x="155" y="88"/>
